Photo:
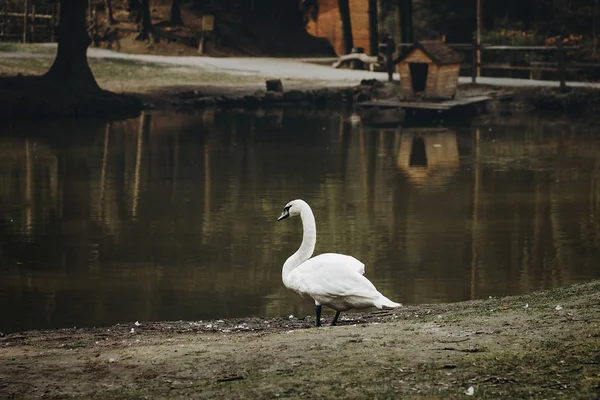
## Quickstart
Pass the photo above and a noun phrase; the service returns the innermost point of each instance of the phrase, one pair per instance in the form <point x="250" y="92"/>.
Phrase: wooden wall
<point x="441" y="80"/>
<point x="416" y="56"/>
<point x="329" y="26"/>
<point x="447" y="80"/>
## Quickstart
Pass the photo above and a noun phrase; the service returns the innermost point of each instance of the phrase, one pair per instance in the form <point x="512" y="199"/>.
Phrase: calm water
<point x="168" y="217"/>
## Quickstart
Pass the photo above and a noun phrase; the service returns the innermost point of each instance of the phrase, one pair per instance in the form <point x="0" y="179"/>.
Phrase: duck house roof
<point x="438" y="51"/>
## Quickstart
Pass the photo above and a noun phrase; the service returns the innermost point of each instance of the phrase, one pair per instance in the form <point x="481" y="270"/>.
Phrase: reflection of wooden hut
<point x="429" y="70"/>
<point x="428" y="156"/>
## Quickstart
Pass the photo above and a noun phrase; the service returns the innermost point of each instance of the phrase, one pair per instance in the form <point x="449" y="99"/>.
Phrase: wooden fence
<point x="33" y="21"/>
<point x="560" y="65"/>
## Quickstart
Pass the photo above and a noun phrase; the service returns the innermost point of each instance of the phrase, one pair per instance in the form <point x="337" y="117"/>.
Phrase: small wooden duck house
<point x="429" y="70"/>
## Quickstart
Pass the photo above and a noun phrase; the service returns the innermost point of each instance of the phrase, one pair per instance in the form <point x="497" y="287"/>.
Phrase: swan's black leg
<point x="318" y="311"/>
<point x="334" y="322"/>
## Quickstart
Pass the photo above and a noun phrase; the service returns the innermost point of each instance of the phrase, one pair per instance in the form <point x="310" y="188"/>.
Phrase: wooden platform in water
<point x="444" y="105"/>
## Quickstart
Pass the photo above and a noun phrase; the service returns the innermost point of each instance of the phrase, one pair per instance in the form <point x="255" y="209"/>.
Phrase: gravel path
<point x="283" y="68"/>
<point x="297" y="69"/>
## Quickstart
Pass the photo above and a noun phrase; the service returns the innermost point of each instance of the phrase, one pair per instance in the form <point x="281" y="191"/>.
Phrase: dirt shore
<point x="543" y="345"/>
<point x="190" y="84"/>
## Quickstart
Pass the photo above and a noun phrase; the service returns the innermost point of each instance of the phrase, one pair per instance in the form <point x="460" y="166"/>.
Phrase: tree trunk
<point x="347" y="43"/>
<point x="146" y="29"/>
<point x="373" y="28"/>
<point x="176" y="13"/>
<point x="70" y="67"/>
<point x="134" y="8"/>
<point x="406" y="26"/>
<point x="109" y="12"/>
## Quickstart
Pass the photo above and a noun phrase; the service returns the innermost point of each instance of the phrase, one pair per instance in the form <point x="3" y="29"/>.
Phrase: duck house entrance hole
<point x="418" y="73"/>
<point x="418" y="155"/>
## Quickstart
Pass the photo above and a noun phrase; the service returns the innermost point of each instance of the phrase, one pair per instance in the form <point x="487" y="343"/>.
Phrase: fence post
<point x="560" y="54"/>
<point x="25" y="14"/>
<point x="32" y="36"/>
<point x="474" y="65"/>
<point x="53" y="22"/>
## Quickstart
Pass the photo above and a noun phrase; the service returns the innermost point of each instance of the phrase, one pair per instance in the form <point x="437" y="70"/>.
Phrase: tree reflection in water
<point x="172" y="216"/>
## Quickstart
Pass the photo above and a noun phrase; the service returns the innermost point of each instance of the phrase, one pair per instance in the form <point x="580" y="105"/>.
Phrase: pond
<point x="170" y="216"/>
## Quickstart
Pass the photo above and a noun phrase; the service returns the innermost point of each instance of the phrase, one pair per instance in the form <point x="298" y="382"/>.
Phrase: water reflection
<point x="173" y="217"/>
<point x="428" y="156"/>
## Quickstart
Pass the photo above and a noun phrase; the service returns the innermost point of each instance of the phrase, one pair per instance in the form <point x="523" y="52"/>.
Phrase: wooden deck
<point x="425" y="105"/>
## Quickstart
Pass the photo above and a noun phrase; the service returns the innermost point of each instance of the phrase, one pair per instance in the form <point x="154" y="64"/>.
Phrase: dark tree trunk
<point x="406" y="26"/>
<point x="146" y="29"/>
<point x="373" y="28"/>
<point x="70" y="67"/>
<point x="176" y="13"/>
<point x="109" y="12"/>
<point x="410" y="36"/>
<point x="348" y="43"/>
<point x="135" y="8"/>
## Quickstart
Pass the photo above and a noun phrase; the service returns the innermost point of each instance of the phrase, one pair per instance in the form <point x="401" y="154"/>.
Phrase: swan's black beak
<point x="284" y="214"/>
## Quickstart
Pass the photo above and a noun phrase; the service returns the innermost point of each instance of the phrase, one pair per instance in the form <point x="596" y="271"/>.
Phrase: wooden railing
<point x="29" y="25"/>
<point x="560" y="66"/>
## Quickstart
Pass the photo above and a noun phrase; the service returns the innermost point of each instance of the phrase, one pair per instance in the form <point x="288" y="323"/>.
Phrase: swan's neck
<point x="309" y="238"/>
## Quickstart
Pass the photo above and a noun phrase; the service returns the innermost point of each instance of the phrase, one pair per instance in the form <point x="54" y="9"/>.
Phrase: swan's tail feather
<point x="383" y="301"/>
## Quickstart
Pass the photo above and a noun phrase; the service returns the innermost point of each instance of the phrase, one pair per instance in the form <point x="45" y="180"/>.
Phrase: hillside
<point x="276" y="31"/>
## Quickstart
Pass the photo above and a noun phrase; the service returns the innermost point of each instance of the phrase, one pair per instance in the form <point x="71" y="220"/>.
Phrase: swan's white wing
<point x="329" y="281"/>
<point x="340" y="259"/>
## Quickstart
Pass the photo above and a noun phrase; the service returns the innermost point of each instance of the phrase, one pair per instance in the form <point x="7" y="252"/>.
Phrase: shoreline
<point x="133" y="83"/>
<point x="539" y="345"/>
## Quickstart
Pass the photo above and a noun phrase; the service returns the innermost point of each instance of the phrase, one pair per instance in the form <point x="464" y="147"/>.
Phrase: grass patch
<point x="124" y="70"/>
<point x="25" y="66"/>
<point x="9" y="47"/>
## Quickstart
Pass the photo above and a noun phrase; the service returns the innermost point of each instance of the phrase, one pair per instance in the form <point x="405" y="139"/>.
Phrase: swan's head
<point x="292" y="209"/>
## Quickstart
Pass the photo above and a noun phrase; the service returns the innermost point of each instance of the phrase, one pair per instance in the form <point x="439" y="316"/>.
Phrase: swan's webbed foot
<point x="334" y="322"/>
<point x="318" y="312"/>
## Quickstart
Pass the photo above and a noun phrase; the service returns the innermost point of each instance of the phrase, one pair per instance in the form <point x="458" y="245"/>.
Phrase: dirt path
<point x="299" y="72"/>
<point x="542" y="345"/>
<point x="300" y="69"/>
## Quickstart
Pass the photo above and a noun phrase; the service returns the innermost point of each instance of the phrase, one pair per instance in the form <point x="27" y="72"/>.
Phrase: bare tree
<point x="346" y="21"/>
<point x="176" y="13"/>
<point x="135" y="10"/>
<point x="405" y="18"/>
<point x="373" y="28"/>
<point x="109" y="12"/>
<point x="146" y="30"/>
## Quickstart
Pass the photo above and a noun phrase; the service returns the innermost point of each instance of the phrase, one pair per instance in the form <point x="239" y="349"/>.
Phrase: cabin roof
<point x="437" y="51"/>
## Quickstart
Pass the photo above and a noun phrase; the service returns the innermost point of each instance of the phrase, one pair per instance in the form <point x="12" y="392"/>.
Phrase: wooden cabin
<point x="328" y="24"/>
<point x="429" y="70"/>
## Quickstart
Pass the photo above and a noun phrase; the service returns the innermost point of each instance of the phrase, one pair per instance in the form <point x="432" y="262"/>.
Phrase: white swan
<point x="330" y="279"/>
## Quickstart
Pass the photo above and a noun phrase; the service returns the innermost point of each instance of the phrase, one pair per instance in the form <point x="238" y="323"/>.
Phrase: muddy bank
<point x="189" y="99"/>
<point x="539" y="345"/>
<point x="576" y="105"/>
<point x="573" y="102"/>
<point x="34" y="97"/>
<point x="192" y="84"/>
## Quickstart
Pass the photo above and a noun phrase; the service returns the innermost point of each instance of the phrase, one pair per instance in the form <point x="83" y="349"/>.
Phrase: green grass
<point x="129" y="70"/>
<point x="8" y="47"/>
<point x="117" y="73"/>
<point x="26" y="66"/>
